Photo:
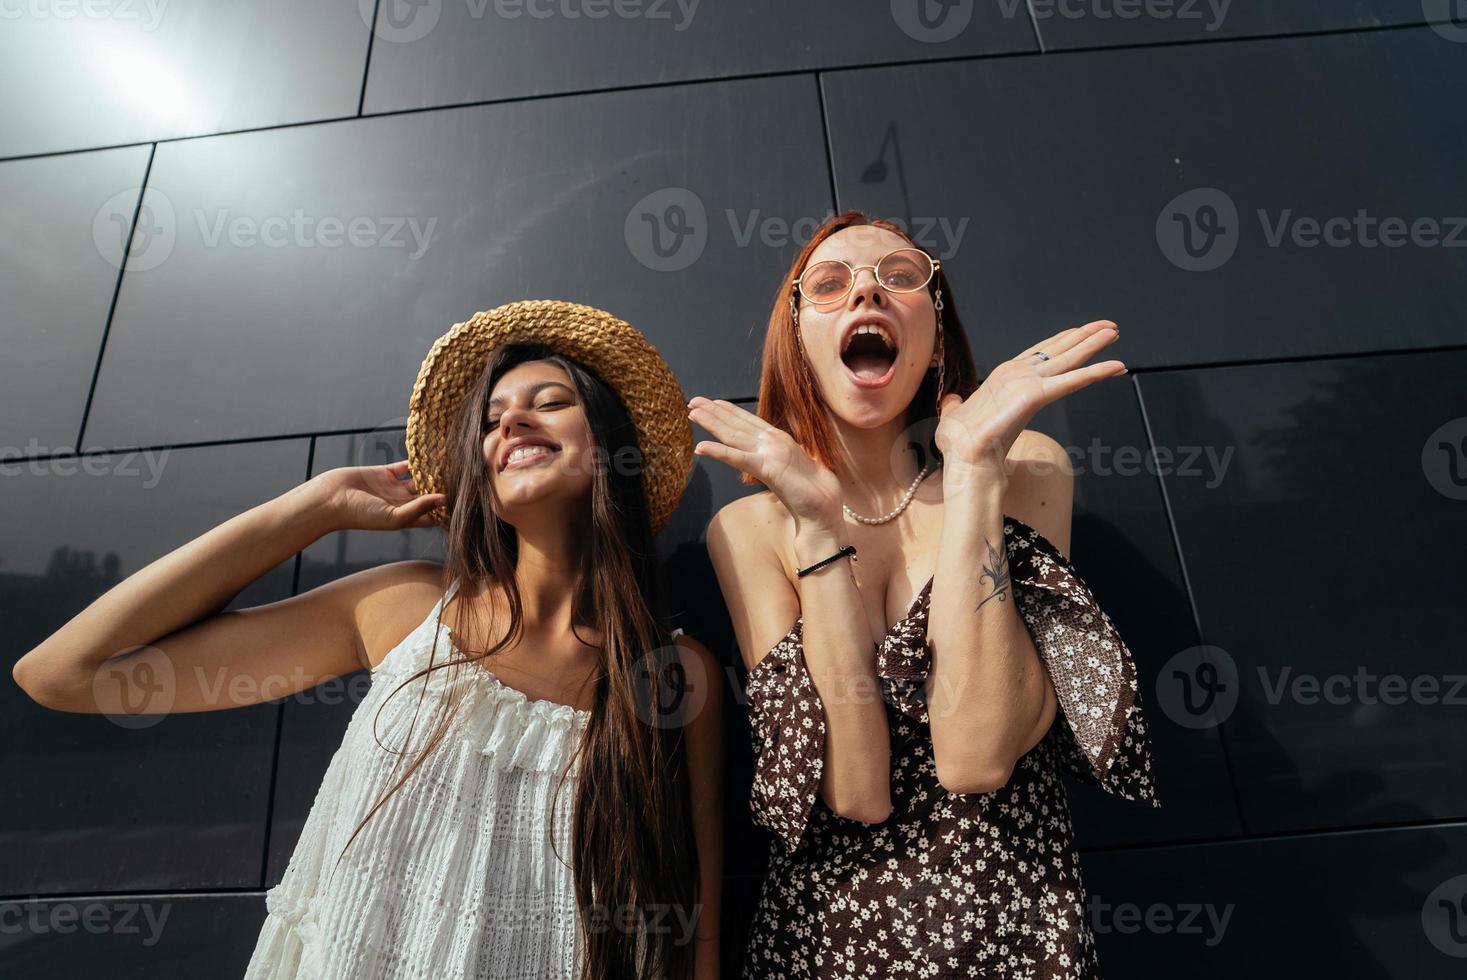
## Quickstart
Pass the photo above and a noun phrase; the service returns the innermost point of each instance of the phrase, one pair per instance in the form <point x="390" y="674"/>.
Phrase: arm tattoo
<point x="997" y="569"/>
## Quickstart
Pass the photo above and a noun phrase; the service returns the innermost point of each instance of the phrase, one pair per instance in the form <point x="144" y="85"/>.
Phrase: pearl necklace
<point x="906" y="499"/>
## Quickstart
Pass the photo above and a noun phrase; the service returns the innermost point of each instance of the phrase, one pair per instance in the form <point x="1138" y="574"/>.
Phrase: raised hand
<point x="375" y="498"/>
<point x="976" y="433"/>
<point x="808" y="490"/>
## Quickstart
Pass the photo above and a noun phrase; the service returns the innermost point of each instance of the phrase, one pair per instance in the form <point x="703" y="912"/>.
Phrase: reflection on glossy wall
<point x="230" y="232"/>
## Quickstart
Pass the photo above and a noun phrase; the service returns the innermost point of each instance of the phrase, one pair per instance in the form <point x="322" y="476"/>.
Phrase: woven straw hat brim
<point x="611" y="347"/>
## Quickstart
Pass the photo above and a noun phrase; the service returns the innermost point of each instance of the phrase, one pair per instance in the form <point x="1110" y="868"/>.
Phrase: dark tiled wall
<point x="230" y="233"/>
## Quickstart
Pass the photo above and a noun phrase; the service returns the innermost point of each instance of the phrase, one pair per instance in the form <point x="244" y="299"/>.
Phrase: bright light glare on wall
<point x="141" y="80"/>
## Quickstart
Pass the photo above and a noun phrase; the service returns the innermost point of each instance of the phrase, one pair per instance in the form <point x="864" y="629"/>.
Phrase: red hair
<point x="788" y="396"/>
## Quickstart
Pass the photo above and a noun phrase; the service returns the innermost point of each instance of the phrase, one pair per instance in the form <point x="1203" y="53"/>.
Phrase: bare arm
<point x="163" y="623"/>
<point x="856" y="779"/>
<point x="990" y="699"/>
<point x="704" y="735"/>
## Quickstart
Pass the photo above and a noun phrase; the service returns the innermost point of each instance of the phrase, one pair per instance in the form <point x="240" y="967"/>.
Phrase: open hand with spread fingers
<point x="808" y="490"/>
<point x="976" y="433"/>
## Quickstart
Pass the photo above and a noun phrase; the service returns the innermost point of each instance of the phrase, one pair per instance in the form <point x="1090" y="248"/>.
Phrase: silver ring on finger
<point x="1041" y="355"/>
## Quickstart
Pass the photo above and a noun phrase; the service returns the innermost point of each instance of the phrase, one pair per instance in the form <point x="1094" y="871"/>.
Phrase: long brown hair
<point x="786" y="385"/>
<point x="632" y="840"/>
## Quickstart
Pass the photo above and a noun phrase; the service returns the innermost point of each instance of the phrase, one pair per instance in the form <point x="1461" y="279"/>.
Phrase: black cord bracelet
<point x="849" y="549"/>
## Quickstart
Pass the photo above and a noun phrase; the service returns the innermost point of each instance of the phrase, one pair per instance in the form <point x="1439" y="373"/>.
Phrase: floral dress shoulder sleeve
<point x="787" y="723"/>
<point x="1100" y="727"/>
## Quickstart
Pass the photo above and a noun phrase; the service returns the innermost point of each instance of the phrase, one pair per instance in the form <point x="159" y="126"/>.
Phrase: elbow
<point x="867" y="812"/>
<point x="24" y="675"/>
<point x="864" y="807"/>
<point x="39" y="684"/>
<point x="966" y="777"/>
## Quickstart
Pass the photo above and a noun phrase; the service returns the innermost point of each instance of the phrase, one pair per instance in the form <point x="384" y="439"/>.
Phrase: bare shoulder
<point x="747" y="543"/>
<point x="394" y="599"/>
<point x="760" y="512"/>
<point x="1041" y="487"/>
<point x="751" y="526"/>
<point x="698" y="661"/>
<point x="1039" y="452"/>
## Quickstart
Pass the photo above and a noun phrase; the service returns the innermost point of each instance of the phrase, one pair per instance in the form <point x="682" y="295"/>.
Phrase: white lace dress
<point x="454" y="876"/>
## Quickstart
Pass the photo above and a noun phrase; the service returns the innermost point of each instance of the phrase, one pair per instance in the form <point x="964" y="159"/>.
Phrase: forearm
<point x="193" y="581"/>
<point x="986" y="688"/>
<point x="856" y="779"/>
<point x="706" y="955"/>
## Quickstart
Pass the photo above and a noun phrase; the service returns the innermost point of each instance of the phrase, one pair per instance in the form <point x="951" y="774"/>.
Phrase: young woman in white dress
<point x="531" y="787"/>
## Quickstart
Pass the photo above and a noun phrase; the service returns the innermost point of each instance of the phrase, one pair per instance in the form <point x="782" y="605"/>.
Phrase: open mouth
<point x="870" y="356"/>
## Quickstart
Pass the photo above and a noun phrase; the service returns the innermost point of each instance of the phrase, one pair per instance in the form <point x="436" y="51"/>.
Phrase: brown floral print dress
<point x="949" y="885"/>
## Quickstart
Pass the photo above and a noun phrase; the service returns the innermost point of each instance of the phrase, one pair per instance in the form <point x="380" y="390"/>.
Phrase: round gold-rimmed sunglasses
<point x="902" y="270"/>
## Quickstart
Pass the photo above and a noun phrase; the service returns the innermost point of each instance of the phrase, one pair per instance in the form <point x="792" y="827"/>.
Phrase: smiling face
<point x="538" y="447"/>
<point x="869" y="351"/>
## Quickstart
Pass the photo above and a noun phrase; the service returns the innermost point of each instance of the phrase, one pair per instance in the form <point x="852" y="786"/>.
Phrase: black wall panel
<point x="1322" y="566"/>
<point x="1220" y="202"/>
<point x="133" y="937"/>
<point x="83" y="75"/>
<point x="435" y="54"/>
<point x="64" y="228"/>
<point x="1369" y="905"/>
<point x="306" y="304"/>
<point x="1265" y="195"/>
<point x="1074" y="24"/>
<point x="129" y="799"/>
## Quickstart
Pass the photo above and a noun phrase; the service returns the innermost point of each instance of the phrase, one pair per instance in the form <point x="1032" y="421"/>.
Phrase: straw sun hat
<point x="612" y="348"/>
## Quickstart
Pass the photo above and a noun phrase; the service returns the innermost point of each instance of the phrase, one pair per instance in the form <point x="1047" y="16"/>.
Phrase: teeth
<point x="869" y="328"/>
<point x="524" y="452"/>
